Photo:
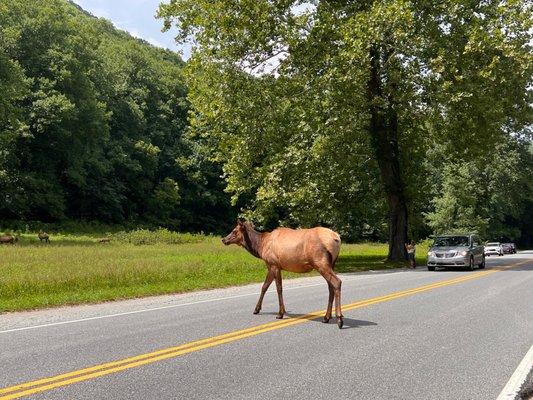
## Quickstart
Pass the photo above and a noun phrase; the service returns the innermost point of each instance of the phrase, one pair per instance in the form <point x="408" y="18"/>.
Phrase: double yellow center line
<point x="41" y="385"/>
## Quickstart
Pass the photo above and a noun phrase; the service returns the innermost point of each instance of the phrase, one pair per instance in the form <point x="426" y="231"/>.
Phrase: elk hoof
<point x="326" y="320"/>
<point x="279" y="316"/>
<point x="256" y="311"/>
<point x="340" y="322"/>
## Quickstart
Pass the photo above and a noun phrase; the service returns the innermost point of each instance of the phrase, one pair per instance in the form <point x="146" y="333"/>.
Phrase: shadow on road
<point x="348" y="322"/>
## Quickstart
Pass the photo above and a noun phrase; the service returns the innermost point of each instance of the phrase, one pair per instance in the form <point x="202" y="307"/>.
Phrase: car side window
<point x="475" y="241"/>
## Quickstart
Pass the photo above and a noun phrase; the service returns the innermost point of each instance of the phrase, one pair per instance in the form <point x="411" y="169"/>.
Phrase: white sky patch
<point x="137" y="17"/>
<point x="271" y="64"/>
<point x="99" y="12"/>
<point x="303" y="8"/>
<point x="133" y="32"/>
<point x="155" y="42"/>
<point x="267" y="66"/>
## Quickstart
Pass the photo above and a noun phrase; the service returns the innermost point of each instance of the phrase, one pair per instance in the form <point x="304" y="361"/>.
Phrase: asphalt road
<point x="460" y="339"/>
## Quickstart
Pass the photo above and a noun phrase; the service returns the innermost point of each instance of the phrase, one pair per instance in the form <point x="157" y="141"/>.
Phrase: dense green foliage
<point x="93" y="126"/>
<point x="490" y="196"/>
<point x="353" y="114"/>
<point x="344" y="114"/>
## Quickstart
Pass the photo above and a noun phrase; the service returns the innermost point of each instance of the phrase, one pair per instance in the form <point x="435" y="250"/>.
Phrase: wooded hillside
<point x="93" y="125"/>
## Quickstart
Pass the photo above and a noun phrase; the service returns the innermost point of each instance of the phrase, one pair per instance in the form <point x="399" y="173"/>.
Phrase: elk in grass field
<point x="43" y="236"/>
<point x="8" y="239"/>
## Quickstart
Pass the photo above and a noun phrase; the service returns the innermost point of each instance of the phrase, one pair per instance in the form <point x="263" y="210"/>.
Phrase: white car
<point x="493" y="248"/>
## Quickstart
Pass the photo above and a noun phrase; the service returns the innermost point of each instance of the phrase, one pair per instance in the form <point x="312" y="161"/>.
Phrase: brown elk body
<point x="43" y="236"/>
<point x="8" y="239"/>
<point x="300" y="250"/>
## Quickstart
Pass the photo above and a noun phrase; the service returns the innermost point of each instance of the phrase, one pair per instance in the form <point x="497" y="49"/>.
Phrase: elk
<point x="43" y="236"/>
<point x="8" y="239"/>
<point x="300" y="250"/>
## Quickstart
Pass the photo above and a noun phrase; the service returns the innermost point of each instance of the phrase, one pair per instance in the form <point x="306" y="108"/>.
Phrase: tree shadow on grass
<point x="82" y="243"/>
<point x="355" y="263"/>
<point x="27" y="241"/>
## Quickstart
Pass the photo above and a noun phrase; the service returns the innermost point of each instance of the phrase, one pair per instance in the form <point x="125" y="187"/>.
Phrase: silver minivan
<point x="458" y="251"/>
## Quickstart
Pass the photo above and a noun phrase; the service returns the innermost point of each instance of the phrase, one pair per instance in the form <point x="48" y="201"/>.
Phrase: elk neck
<point x="253" y="241"/>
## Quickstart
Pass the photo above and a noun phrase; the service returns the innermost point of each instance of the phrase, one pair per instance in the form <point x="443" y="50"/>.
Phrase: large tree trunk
<point x="384" y="134"/>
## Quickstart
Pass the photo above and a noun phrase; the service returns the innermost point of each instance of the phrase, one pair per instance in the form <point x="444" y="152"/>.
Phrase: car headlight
<point x="463" y="253"/>
<point x="431" y="254"/>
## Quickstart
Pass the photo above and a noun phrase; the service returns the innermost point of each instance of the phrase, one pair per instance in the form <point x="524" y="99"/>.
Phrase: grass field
<point x="75" y="269"/>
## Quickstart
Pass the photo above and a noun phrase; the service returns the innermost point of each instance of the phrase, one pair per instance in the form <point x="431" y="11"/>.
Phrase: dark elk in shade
<point x="8" y="239"/>
<point x="300" y="250"/>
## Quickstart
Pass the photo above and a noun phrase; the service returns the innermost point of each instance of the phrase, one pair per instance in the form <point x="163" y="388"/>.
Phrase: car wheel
<point x="482" y="265"/>
<point x="471" y="264"/>
<point x="431" y="268"/>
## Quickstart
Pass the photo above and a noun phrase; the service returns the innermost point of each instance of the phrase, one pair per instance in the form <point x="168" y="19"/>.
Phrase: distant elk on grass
<point x="43" y="236"/>
<point x="8" y="239"/>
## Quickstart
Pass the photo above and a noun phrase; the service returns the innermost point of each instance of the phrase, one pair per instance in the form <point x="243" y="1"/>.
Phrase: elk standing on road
<point x="43" y="236"/>
<point x="292" y="250"/>
<point x="8" y="239"/>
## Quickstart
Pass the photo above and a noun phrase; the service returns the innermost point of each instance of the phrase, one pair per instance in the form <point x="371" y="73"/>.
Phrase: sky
<point x="136" y="17"/>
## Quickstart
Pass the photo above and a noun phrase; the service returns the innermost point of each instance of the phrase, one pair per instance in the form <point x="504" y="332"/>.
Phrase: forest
<point x="385" y="122"/>
<point x="93" y="127"/>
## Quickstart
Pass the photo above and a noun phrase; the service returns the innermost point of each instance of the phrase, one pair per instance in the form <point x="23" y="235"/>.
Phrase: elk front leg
<point x="279" y="287"/>
<point x="268" y="280"/>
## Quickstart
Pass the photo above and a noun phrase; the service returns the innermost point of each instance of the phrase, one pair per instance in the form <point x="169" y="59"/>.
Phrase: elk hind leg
<point x="327" y="272"/>
<point x="268" y="280"/>
<point x="327" y="317"/>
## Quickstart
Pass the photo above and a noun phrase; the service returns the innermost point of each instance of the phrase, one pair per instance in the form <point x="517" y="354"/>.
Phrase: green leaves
<point x="483" y="196"/>
<point x="49" y="108"/>
<point x="295" y="139"/>
<point x="92" y="122"/>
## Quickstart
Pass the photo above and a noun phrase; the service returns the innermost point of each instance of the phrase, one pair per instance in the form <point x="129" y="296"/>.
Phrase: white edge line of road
<point x="510" y="391"/>
<point x="154" y="309"/>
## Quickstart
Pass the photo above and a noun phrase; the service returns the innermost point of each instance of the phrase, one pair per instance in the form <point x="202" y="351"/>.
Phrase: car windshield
<point x="451" y="241"/>
<point x="493" y="244"/>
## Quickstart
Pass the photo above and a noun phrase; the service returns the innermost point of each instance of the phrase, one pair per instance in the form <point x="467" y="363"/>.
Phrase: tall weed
<point x="159" y="236"/>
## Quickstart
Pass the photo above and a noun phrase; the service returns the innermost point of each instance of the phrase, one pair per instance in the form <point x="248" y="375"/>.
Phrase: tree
<point x="474" y="195"/>
<point x="13" y="87"/>
<point x="317" y="108"/>
<point x="93" y="126"/>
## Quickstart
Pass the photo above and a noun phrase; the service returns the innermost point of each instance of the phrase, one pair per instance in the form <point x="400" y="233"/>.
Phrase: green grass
<point x="76" y="269"/>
